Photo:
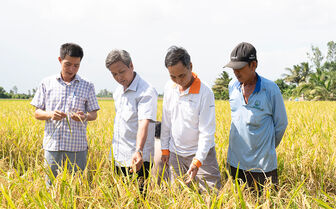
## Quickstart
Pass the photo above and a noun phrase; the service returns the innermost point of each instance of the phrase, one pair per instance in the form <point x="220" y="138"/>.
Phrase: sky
<point x="282" y="31"/>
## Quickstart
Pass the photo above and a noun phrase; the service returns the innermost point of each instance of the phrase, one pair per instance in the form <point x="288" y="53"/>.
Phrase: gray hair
<point x="117" y="55"/>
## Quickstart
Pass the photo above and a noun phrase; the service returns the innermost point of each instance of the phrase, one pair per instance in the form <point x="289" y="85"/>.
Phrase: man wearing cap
<point x="258" y="120"/>
<point x="188" y="123"/>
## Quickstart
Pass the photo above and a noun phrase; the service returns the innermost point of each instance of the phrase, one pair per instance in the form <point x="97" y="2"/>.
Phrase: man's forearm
<point x="91" y="116"/>
<point x="142" y="134"/>
<point x="42" y="114"/>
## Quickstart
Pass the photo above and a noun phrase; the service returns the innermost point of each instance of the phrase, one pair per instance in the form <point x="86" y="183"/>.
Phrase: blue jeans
<point x="56" y="159"/>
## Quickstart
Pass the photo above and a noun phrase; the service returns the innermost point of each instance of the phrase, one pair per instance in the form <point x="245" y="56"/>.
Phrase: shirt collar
<point x="195" y="86"/>
<point x="134" y="84"/>
<point x="258" y="84"/>
<point x="59" y="78"/>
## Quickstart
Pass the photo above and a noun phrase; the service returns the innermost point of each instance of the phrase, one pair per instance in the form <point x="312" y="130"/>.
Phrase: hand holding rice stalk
<point x="77" y="116"/>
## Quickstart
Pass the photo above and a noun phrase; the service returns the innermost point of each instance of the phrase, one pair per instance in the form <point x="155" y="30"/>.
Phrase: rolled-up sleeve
<point x="207" y="127"/>
<point x="279" y="117"/>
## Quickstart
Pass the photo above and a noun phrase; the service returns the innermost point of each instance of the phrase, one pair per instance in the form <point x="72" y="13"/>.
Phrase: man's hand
<point x="137" y="162"/>
<point x="57" y="115"/>
<point x="79" y="116"/>
<point x="165" y="159"/>
<point x="192" y="172"/>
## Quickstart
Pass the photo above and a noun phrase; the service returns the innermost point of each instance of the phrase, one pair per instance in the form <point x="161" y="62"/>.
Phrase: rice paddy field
<point x="306" y="166"/>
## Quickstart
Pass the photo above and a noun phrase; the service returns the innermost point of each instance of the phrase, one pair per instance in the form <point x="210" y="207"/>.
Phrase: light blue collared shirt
<point x="257" y="127"/>
<point x="137" y="102"/>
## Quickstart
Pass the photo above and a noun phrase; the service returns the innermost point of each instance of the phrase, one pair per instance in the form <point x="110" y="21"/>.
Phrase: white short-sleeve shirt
<point x="137" y="102"/>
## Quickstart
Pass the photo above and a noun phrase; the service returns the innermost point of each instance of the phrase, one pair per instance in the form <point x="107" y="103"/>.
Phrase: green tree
<point x="286" y="90"/>
<point x="3" y="93"/>
<point x="104" y="93"/>
<point x="297" y="74"/>
<point x="321" y="86"/>
<point x="316" y="56"/>
<point x="220" y="88"/>
<point x="331" y="56"/>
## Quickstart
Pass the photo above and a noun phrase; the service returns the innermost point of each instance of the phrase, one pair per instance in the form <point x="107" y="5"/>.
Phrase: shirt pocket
<point x="77" y="104"/>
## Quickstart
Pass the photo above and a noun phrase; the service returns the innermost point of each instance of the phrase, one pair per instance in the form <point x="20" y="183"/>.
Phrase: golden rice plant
<point x="306" y="166"/>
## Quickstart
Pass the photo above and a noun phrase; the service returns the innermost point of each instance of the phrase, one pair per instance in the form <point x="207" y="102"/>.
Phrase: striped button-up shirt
<point x="137" y="102"/>
<point x="54" y="94"/>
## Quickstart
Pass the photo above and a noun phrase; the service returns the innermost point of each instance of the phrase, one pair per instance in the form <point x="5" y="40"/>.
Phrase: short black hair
<point x="176" y="54"/>
<point x="72" y="50"/>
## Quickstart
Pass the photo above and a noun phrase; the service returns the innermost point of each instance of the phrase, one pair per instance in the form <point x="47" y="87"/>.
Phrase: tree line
<point x="314" y="79"/>
<point x="13" y="93"/>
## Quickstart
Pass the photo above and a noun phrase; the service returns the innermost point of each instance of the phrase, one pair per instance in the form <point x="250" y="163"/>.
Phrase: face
<point x="246" y="73"/>
<point x="122" y="74"/>
<point x="181" y="75"/>
<point x="70" y="66"/>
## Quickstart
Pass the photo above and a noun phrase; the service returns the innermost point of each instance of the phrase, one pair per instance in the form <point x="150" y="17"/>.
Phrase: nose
<point x="178" y="81"/>
<point x="73" y="68"/>
<point x="118" y="77"/>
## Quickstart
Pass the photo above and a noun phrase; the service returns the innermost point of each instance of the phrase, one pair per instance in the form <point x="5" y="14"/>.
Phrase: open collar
<point x="76" y="78"/>
<point x="258" y="84"/>
<point x="196" y="85"/>
<point x="134" y="84"/>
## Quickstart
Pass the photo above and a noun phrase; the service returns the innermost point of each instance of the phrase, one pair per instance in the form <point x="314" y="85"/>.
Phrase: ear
<point x="254" y="65"/>
<point x="131" y="66"/>
<point x="60" y="59"/>
<point x="190" y="66"/>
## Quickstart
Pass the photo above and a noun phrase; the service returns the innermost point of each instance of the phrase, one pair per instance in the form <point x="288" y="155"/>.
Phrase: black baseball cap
<point x="241" y="55"/>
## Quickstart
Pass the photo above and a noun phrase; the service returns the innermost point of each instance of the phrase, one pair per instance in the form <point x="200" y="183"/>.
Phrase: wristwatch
<point x="140" y="151"/>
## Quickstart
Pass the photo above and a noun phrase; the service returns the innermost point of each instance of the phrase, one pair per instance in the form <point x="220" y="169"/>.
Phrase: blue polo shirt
<point x="257" y="127"/>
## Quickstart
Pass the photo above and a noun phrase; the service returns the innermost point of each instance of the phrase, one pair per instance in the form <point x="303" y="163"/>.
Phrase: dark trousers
<point x="255" y="178"/>
<point x="142" y="174"/>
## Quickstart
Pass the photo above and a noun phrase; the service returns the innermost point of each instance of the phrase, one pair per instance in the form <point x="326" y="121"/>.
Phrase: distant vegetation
<point x="13" y="93"/>
<point x="104" y="93"/>
<point x="314" y="79"/>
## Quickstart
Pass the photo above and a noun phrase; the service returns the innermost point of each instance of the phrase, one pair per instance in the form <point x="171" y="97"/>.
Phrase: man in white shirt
<point x="188" y="123"/>
<point x="135" y="105"/>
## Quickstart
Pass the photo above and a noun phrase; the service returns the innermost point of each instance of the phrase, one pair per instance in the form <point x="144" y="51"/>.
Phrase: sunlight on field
<point x="306" y="164"/>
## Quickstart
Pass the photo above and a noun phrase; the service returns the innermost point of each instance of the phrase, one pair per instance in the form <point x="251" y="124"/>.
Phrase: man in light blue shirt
<point x="259" y="120"/>
<point x="135" y="103"/>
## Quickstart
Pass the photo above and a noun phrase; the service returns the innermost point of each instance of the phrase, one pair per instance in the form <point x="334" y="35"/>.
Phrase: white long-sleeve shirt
<point x="188" y="120"/>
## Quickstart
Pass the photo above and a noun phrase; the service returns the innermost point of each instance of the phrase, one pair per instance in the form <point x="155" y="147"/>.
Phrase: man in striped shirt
<point x="66" y="102"/>
<point x="188" y="123"/>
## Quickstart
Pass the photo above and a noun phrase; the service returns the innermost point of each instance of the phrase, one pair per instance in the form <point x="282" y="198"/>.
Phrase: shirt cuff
<point x="196" y="162"/>
<point x="165" y="152"/>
